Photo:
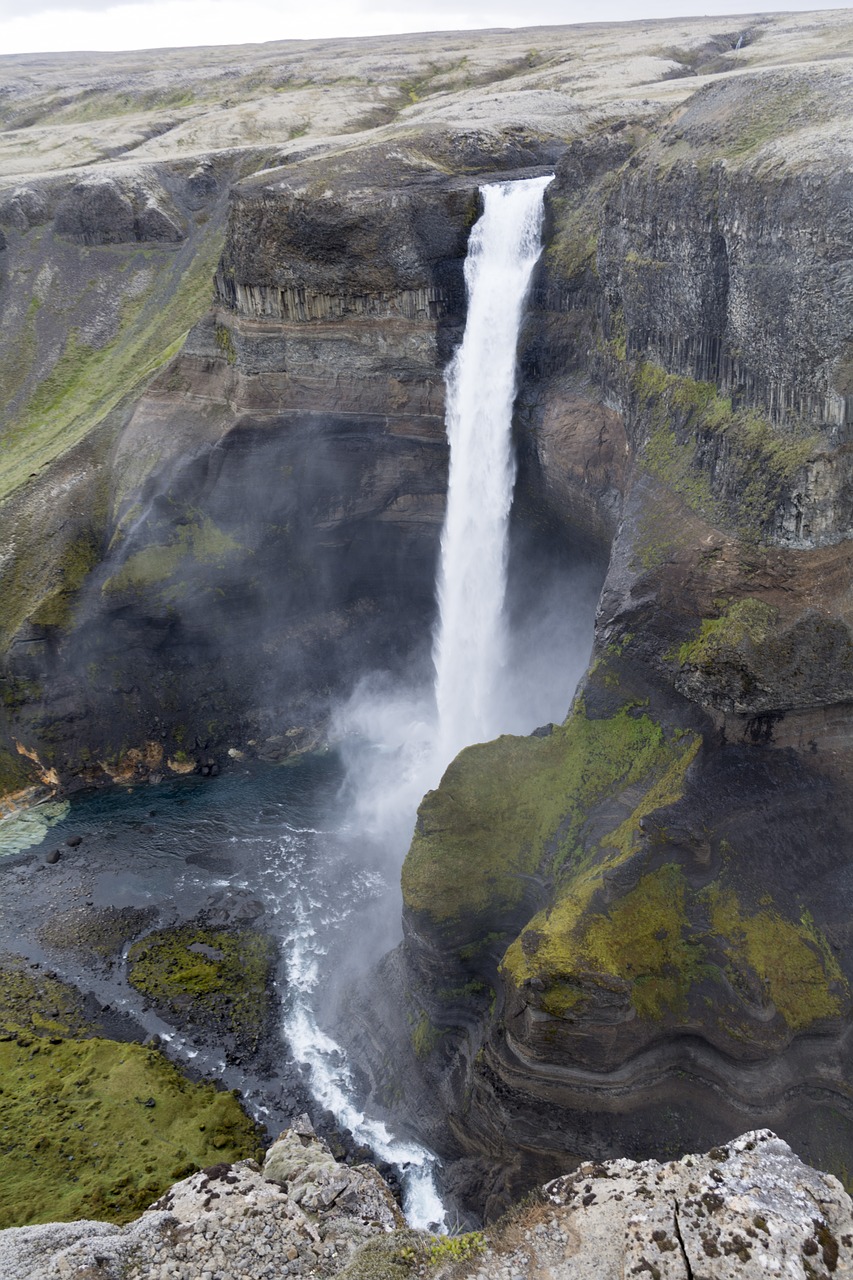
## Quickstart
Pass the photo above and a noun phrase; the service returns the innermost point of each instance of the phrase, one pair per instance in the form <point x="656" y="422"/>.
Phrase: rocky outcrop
<point x="749" y="1210"/>
<point x="302" y="1214"/>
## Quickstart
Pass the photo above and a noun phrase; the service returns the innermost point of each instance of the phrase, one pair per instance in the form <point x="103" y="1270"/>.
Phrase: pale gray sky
<point x="34" y="26"/>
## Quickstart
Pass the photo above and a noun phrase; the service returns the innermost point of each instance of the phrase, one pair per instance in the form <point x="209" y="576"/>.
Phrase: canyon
<point x="231" y="286"/>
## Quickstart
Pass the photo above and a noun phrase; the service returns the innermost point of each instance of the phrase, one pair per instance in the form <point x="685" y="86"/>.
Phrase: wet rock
<point x="53" y="857"/>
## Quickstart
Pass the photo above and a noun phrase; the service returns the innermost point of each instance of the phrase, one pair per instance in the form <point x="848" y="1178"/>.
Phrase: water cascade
<point x="402" y="744"/>
<point x="470" y="644"/>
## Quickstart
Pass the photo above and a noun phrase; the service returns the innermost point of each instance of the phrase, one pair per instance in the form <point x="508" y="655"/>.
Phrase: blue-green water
<point x="261" y="839"/>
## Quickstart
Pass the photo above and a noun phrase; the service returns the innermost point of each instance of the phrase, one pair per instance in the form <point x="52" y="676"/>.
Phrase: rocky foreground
<point x="749" y="1209"/>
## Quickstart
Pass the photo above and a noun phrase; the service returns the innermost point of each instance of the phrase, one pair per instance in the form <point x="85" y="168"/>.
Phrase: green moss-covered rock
<point x="676" y="413"/>
<point x="506" y="808"/>
<point x="217" y="979"/>
<point x="671" y="953"/>
<point x="36" y="1003"/>
<point x="89" y="1127"/>
<point x="97" y="1129"/>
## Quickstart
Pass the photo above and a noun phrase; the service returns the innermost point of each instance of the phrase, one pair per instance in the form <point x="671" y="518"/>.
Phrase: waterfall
<point x="470" y="644"/>
<point x="394" y="743"/>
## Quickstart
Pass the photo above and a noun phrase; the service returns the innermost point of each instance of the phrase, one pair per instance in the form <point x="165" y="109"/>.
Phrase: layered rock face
<point x="630" y="933"/>
<point x="277" y="493"/>
<point x="635" y="931"/>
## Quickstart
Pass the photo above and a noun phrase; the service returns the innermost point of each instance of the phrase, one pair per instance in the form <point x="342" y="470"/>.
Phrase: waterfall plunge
<point x="402" y="746"/>
<point x="470" y="645"/>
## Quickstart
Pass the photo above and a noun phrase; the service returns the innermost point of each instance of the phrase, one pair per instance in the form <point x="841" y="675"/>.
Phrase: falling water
<point x="411" y="748"/>
<point x="470" y="645"/>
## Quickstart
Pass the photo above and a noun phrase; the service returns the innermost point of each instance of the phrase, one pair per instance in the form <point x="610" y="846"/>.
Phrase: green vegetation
<point x="224" y="340"/>
<point x="425" y="1037"/>
<point x="199" y="539"/>
<point x="793" y="962"/>
<point x="91" y="1128"/>
<point x="746" y="622"/>
<point x="507" y="809"/>
<point x="97" y="1129"/>
<point x="14" y="773"/>
<point x="660" y="939"/>
<point x="762" y="459"/>
<point x="456" y="1248"/>
<point x="642" y="939"/>
<point x="77" y="561"/>
<point x="87" y="382"/>
<point x="217" y="978"/>
<point x="34" y="1003"/>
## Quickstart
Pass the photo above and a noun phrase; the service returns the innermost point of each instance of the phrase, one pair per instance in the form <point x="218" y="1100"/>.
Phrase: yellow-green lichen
<point x="643" y="939"/>
<point x="792" y="961"/>
<point x="747" y="621"/>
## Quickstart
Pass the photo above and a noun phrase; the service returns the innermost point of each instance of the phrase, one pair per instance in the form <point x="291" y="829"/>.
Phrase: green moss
<point x="561" y="998"/>
<point x="77" y="561"/>
<point x="35" y="1003"/>
<point x="573" y="245"/>
<point x="199" y="539"/>
<point x="216" y="978"/>
<point x="792" y="960"/>
<point x="87" y="383"/>
<point x="225" y="342"/>
<point x="425" y="1037"/>
<point x="643" y="939"/>
<point x="14" y="773"/>
<point x="747" y="621"/>
<point x="96" y="1129"/>
<point x="762" y="459"/>
<point x="505" y="807"/>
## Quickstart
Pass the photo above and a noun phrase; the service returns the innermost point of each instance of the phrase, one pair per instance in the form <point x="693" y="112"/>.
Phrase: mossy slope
<point x="98" y="1129"/>
<point x="91" y="1127"/>
<point x="518" y="807"/>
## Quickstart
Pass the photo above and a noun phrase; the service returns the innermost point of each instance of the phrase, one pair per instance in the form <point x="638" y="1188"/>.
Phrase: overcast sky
<point x="34" y="26"/>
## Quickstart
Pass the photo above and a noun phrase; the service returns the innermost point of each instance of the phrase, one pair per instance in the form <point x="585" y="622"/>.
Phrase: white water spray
<point x="470" y="645"/>
<point x="411" y="744"/>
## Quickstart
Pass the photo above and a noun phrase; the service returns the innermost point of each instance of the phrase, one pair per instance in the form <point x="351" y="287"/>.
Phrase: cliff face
<point x="644" y="913"/>
<point x="274" y="498"/>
